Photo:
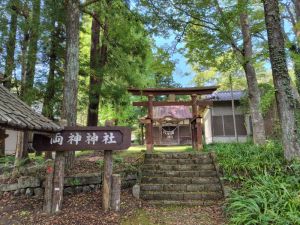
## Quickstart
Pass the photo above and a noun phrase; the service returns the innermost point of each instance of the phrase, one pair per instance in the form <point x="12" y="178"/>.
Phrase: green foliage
<point x="267" y="99"/>
<point x="75" y="182"/>
<point x="269" y="187"/>
<point x="100" y="163"/>
<point x="38" y="160"/>
<point x="266" y="199"/>
<point x="7" y="160"/>
<point x="243" y="161"/>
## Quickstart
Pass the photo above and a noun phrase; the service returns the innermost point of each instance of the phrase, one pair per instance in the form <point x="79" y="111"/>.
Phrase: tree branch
<point x="291" y="16"/>
<point x="87" y="3"/>
<point x="93" y="15"/>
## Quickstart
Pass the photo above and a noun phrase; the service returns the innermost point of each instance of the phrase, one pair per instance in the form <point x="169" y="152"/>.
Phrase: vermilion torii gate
<point x="194" y="102"/>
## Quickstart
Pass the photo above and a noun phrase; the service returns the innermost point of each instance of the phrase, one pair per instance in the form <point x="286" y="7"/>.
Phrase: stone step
<point x="181" y="187"/>
<point x="172" y="155"/>
<point x="177" y="161"/>
<point x="180" y="180"/>
<point x="160" y="167"/>
<point x="182" y="202"/>
<point x="187" y="173"/>
<point x="155" y="195"/>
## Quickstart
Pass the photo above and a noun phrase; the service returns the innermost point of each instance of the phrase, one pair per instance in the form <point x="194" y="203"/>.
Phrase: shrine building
<point x="173" y="122"/>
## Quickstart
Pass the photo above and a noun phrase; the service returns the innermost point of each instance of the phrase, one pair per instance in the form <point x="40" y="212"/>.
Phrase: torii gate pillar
<point x="196" y="126"/>
<point x="149" y="125"/>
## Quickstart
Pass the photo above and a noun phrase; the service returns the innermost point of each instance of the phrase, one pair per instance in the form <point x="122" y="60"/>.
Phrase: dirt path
<point x="176" y="215"/>
<point x="85" y="209"/>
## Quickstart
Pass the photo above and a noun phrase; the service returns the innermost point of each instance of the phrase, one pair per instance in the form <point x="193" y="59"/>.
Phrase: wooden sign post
<point x="74" y="139"/>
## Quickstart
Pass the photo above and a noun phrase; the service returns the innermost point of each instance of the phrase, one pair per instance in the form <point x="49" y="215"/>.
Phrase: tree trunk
<point x="285" y="100"/>
<point x="22" y="147"/>
<point x="295" y="49"/>
<point x="94" y="91"/>
<point x="259" y="136"/>
<point x="100" y="55"/>
<point x="2" y="142"/>
<point x="71" y="70"/>
<point x="50" y="90"/>
<point x="24" y="49"/>
<point x="10" y="46"/>
<point x="32" y="52"/>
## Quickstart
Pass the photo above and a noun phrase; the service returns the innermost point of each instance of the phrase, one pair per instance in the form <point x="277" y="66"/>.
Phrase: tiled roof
<point x="177" y="112"/>
<point x="226" y="95"/>
<point x="15" y="114"/>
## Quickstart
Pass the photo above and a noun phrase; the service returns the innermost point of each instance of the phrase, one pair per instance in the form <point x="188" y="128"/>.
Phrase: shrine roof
<point x="226" y="95"/>
<point x="177" y="112"/>
<point x="177" y="91"/>
<point x="15" y="114"/>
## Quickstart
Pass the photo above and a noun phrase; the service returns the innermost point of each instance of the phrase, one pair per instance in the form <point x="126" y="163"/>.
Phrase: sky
<point x="183" y="72"/>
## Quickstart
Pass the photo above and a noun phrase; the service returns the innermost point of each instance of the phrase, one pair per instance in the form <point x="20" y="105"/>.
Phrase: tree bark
<point x="32" y="52"/>
<point x="94" y="91"/>
<point x="295" y="49"/>
<point x="285" y="100"/>
<point x="48" y="103"/>
<point x="98" y="62"/>
<point x="11" y="45"/>
<point x="24" y="49"/>
<point x="50" y="90"/>
<point x="2" y="142"/>
<point x="22" y="147"/>
<point x="71" y="70"/>
<point x="259" y="136"/>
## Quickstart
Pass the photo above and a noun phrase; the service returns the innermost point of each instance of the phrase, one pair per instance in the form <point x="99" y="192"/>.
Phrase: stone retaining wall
<point x="33" y="186"/>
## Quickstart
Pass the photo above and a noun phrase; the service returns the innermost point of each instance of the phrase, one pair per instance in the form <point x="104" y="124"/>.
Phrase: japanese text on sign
<point x="89" y="138"/>
<point x="84" y="138"/>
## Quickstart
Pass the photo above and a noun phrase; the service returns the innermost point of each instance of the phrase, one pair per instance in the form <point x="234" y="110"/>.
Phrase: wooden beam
<point x="165" y="103"/>
<point x="194" y="105"/>
<point x="58" y="181"/>
<point x="107" y="176"/>
<point x="115" y="192"/>
<point x="176" y="91"/>
<point x="199" y="145"/>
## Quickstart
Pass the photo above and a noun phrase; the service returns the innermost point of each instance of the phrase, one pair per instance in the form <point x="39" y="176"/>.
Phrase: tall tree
<point x="259" y="135"/>
<point x="11" y="43"/>
<point x="292" y="14"/>
<point x="24" y="48"/>
<point x="211" y="29"/>
<point x="72" y="69"/>
<point x="34" y="34"/>
<point x="285" y="100"/>
<point x="54" y="45"/>
<point x="98" y="59"/>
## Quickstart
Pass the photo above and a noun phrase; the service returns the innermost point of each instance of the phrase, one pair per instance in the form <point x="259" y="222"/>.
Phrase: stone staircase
<point x="181" y="179"/>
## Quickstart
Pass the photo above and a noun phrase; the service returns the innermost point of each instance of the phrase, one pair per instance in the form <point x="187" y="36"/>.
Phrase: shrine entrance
<point x="173" y="122"/>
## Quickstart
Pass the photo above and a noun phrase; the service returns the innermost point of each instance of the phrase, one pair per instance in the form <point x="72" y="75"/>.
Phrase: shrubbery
<point x="269" y="187"/>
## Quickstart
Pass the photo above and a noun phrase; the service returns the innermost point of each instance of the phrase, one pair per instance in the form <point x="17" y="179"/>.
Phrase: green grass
<point x="140" y="218"/>
<point x="159" y="215"/>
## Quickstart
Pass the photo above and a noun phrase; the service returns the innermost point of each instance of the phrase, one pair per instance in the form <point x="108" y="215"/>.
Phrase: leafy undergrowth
<point x="267" y="188"/>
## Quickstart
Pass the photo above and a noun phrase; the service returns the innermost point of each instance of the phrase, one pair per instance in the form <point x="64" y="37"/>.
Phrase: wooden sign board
<point x="84" y="138"/>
